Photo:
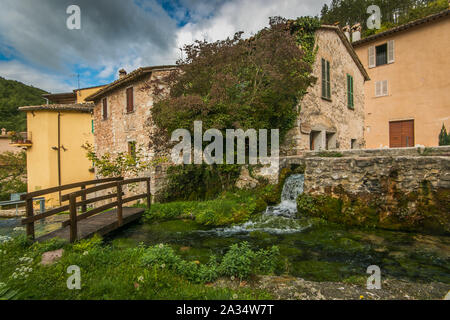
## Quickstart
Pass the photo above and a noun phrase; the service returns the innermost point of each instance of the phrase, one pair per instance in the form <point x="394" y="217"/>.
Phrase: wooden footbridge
<point x="84" y="222"/>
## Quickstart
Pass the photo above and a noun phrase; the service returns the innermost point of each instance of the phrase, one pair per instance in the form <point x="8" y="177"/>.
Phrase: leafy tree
<point x="394" y="12"/>
<point x="14" y="94"/>
<point x="239" y="83"/>
<point x="444" y="138"/>
<point x="13" y="170"/>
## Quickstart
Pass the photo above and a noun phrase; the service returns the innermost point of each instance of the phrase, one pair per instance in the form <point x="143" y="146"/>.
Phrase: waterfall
<point x="277" y="219"/>
<point x="292" y="188"/>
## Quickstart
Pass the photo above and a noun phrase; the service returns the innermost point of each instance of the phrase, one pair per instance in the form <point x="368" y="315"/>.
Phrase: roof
<point x="132" y="76"/>
<point x="78" y="107"/>
<point x="66" y="97"/>
<point x="404" y="27"/>
<point x="349" y="47"/>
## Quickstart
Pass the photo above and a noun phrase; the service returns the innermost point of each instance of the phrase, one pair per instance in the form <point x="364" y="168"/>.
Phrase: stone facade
<point x="409" y="191"/>
<point x="330" y="123"/>
<point x="113" y="134"/>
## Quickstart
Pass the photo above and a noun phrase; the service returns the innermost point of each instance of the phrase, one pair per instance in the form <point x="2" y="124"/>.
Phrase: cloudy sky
<point x="38" y="49"/>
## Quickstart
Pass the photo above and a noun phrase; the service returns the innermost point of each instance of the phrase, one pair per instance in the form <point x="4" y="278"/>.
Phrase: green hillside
<point x="14" y="94"/>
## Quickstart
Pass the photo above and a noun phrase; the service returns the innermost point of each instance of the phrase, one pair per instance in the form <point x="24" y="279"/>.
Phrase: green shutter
<point x="92" y="126"/>
<point x="324" y="79"/>
<point x="350" y="92"/>
<point x="328" y="81"/>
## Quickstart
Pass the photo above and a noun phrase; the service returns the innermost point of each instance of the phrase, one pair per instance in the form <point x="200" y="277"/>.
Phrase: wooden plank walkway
<point x="101" y="224"/>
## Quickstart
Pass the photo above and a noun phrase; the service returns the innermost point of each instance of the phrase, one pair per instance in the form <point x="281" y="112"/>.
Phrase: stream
<point x="310" y="249"/>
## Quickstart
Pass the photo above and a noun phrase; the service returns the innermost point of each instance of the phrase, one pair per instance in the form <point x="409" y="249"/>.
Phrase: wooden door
<point x="401" y="134"/>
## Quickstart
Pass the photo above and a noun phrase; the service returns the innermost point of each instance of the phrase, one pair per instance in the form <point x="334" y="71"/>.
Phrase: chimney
<point x="356" y="32"/>
<point x="3" y="132"/>
<point x="122" y="73"/>
<point x="346" y="31"/>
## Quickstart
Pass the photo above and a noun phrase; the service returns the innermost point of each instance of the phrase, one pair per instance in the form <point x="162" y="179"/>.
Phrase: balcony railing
<point x="21" y="139"/>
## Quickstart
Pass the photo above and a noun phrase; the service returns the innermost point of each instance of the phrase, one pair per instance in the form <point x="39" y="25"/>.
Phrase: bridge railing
<point x="74" y="204"/>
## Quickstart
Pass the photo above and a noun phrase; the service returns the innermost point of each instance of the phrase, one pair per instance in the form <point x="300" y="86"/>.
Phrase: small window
<point x="381" y="52"/>
<point x="326" y="87"/>
<point x="132" y="149"/>
<point x="381" y="88"/>
<point x="353" y="144"/>
<point x="130" y="100"/>
<point x="350" y="100"/>
<point x="105" y="109"/>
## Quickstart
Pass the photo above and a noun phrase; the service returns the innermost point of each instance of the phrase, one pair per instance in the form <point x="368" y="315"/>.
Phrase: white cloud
<point x="30" y="76"/>
<point x="244" y="15"/>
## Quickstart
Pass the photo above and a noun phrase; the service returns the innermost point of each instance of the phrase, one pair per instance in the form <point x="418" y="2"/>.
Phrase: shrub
<point x="240" y="261"/>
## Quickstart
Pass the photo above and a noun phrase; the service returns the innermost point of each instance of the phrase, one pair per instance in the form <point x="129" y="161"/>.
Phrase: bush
<point x="240" y="261"/>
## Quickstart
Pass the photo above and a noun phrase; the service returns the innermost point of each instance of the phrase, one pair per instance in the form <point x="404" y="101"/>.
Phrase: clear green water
<point x="310" y="249"/>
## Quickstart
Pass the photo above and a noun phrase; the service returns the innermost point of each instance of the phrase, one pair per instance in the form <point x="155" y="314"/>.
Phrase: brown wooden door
<point x="401" y="134"/>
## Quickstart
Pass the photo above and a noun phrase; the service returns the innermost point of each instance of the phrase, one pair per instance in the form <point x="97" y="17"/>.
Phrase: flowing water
<point x="310" y="249"/>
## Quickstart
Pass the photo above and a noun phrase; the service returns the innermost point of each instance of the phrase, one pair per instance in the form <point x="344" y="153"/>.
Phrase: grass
<point x="229" y="208"/>
<point x="106" y="273"/>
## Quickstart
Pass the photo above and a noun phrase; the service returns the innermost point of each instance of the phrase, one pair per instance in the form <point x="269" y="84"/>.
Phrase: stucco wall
<point x="42" y="160"/>
<point x="418" y="84"/>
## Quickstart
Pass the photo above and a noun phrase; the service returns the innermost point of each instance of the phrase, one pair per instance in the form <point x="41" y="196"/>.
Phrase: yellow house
<point x="408" y="99"/>
<point x="56" y="134"/>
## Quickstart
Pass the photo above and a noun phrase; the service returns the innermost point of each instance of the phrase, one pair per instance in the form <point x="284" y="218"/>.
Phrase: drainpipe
<point x="59" y="154"/>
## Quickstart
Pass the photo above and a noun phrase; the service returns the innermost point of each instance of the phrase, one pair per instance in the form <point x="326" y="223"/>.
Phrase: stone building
<point x="331" y="114"/>
<point x="122" y="116"/>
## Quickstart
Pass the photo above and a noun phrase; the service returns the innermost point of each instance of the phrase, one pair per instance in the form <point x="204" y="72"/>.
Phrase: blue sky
<point x="37" y="49"/>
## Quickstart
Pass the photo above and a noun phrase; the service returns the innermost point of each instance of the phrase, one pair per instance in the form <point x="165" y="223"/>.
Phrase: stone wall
<point x="401" y="192"/>
<point x="113" y="134"/>
<point x="332" y="117"/>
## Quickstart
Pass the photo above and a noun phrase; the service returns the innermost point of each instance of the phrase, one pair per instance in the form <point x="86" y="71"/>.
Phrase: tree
<point x="444" y="138"/>
<point x="13" y="170"/>
<point x="239" y="83"/>
<point x="13" y="95"/>
<point x="393" y="12"/>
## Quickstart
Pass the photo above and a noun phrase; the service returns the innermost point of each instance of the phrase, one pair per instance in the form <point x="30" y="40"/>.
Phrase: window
<point x="350" y="101"/>
<point x="105" y="109"/>
<point x="353" y="144"/>
<point x="92" y="126"/>
<point x="132" y="149"/>
<point x="326" y="88"/>
<point x="130" y="100"/>
<point x="381" y="88"/>
<point x="381" y="52"/>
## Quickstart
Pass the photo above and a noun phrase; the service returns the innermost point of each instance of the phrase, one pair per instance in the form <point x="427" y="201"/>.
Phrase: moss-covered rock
<point x="426" y="210"/>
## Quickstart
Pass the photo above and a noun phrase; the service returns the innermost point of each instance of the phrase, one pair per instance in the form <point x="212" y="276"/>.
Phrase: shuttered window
<point x="372" y="57"/>
<point x="391" y="55"/>
<point x="326" y="86"/>
<point x="350" y="99"/>
<point x="381" y="88"/>
<point x="130" y="100"/>
<point x="105" y="109"/>
<point x="382" y="54"/>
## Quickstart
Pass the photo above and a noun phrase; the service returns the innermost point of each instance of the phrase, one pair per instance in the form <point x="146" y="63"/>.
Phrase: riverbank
<point x="291" y="288"/>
